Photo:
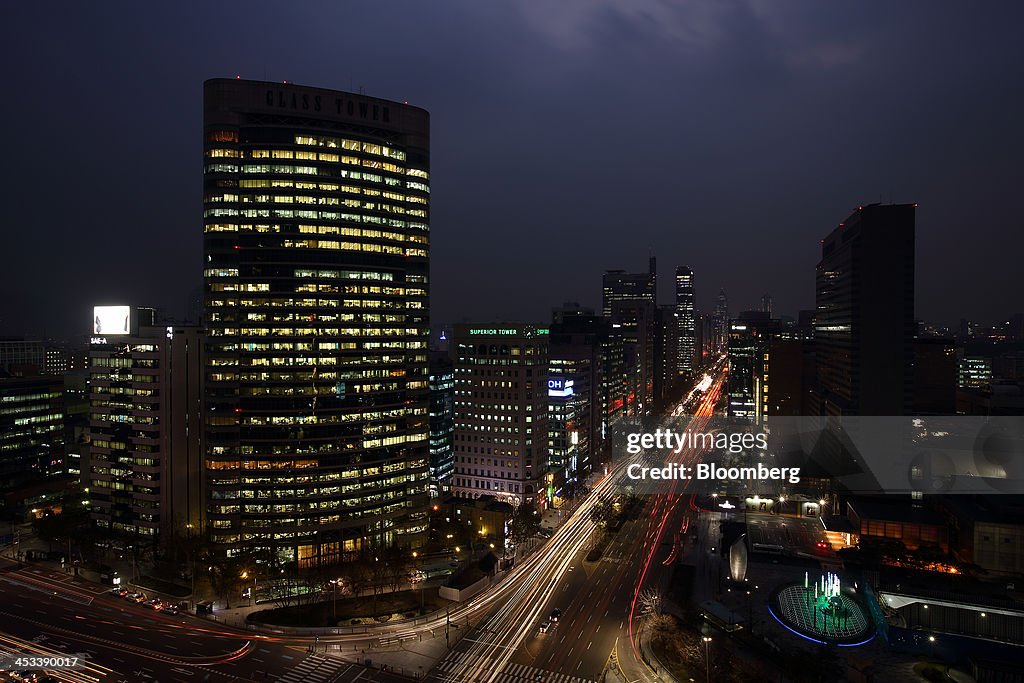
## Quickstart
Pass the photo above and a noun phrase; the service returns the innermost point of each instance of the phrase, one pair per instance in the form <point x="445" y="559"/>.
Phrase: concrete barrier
<point x="463" y="594"/>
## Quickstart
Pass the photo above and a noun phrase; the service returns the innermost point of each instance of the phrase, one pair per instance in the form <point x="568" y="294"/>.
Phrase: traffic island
<point x="365" y="609"/>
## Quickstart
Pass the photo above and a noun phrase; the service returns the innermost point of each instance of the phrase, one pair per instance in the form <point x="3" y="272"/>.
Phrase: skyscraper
<point x="630" y="300"/>
<point x="33" y="471"/>
<point x="864" y="323"/>
<point x="618" y="285"/>
<point x="576" y="386"/>
<point x="442" y="422"/>
<point x="721" y="323"/>
<point x="686" y="321"/>
<point x="316" y="221"/>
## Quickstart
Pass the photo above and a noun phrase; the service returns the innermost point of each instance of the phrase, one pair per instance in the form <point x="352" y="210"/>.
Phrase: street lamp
<point x="192" y="564"/>
<point x="334" y="600"/>
<point x="707" y="658"/>
<point x="244" y="576"/>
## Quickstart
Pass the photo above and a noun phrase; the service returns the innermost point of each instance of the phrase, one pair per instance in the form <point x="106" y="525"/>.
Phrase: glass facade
<point x="31" y="432"/>
<point x="316" y="220"/>
<point x="442" y="423"/>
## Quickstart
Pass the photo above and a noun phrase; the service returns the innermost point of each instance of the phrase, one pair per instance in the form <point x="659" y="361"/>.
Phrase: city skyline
<point x="771" y="177"/>
<point x="601" y="341"/>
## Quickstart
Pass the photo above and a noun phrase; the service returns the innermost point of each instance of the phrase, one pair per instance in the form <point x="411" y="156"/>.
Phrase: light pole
<point x="420" y="581"/>
<point x="192" y="563"/>
<point x="245" y="575"/>
<point x="707" y="658"/>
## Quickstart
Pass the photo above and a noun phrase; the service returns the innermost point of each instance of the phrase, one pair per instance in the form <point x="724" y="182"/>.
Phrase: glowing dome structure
<point x="822" y="612"/>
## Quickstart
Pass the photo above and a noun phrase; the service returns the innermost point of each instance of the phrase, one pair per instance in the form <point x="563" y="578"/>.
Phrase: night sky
<point x="568" y="138"/>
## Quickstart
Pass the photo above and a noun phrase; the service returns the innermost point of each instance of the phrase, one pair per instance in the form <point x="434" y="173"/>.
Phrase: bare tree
<point x="651" y="601"/>
<point x="397" y="567"/>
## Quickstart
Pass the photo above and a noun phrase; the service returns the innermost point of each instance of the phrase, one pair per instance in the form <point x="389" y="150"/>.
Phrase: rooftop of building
<point x="998" y="509"/>
<point x="487" y="503"/>
<point x="902" y="510"/>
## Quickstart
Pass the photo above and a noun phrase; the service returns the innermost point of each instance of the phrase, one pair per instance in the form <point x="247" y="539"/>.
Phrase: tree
<point x="601" y="514"/>
<point x="525" y="523"/>
<point x="397" y="567"/>
<point x="225" y="572"/>
<point x="65" y="526"/>
<point x="651" y="601"/>
<point x="358" y="574"/>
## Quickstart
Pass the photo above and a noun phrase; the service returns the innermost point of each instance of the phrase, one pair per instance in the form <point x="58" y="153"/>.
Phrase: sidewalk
<point x="414" y="656"/>
<point x="630" y="667"/>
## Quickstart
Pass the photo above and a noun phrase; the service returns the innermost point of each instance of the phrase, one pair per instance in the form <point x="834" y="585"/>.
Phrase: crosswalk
<point x="451" y="667"/>
<point x="314" y="669"/>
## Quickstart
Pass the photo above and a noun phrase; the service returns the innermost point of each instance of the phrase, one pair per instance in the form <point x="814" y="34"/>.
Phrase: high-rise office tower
<point x="721" y="322"/>
<point x="144" y="457"/>
<point x="316" y="220"/>
<point x="576" y="390"/>
<point x="629" y="300"/>
<point x="618" y="285"/>
<point x="501" y="412"/>
<point x="666" y="354"/>
<point x="576" y="330"/>
<point x="767" y="303"/>
<point x="749" y="337"/>
<point x="686" y="320"/>
<point x="442" y="422"/>
<point x="33" y="471"/>
<point x="864" y="322"/>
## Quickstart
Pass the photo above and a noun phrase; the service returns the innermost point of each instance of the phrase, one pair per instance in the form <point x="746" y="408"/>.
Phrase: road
<point x="50" y="613"/>
<point x="598" y="603"/>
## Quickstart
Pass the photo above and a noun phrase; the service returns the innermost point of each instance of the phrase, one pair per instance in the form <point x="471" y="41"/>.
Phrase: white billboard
<point x="111" y="319"/>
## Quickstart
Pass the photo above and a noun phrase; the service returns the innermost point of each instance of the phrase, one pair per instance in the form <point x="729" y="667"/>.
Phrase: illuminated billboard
<point x="109" y="320"/>
<point x="559" y="387"/>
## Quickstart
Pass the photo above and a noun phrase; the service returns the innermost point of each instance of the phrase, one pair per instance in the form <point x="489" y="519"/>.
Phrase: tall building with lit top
<point x="686" y="321"/>
<point x="316" y="244"/>
<point x="501" y="412"/>
<point x="144" y="452"/>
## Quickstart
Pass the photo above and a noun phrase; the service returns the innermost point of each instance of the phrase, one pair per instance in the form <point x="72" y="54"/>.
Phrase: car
<point x="138" y="599"/>
<point x="545" y="626"/>
<point x="167" y="608"/>
<point x="555" y="615"/>
<point x="154" y="603"/>
<point x="130" y="596"/>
